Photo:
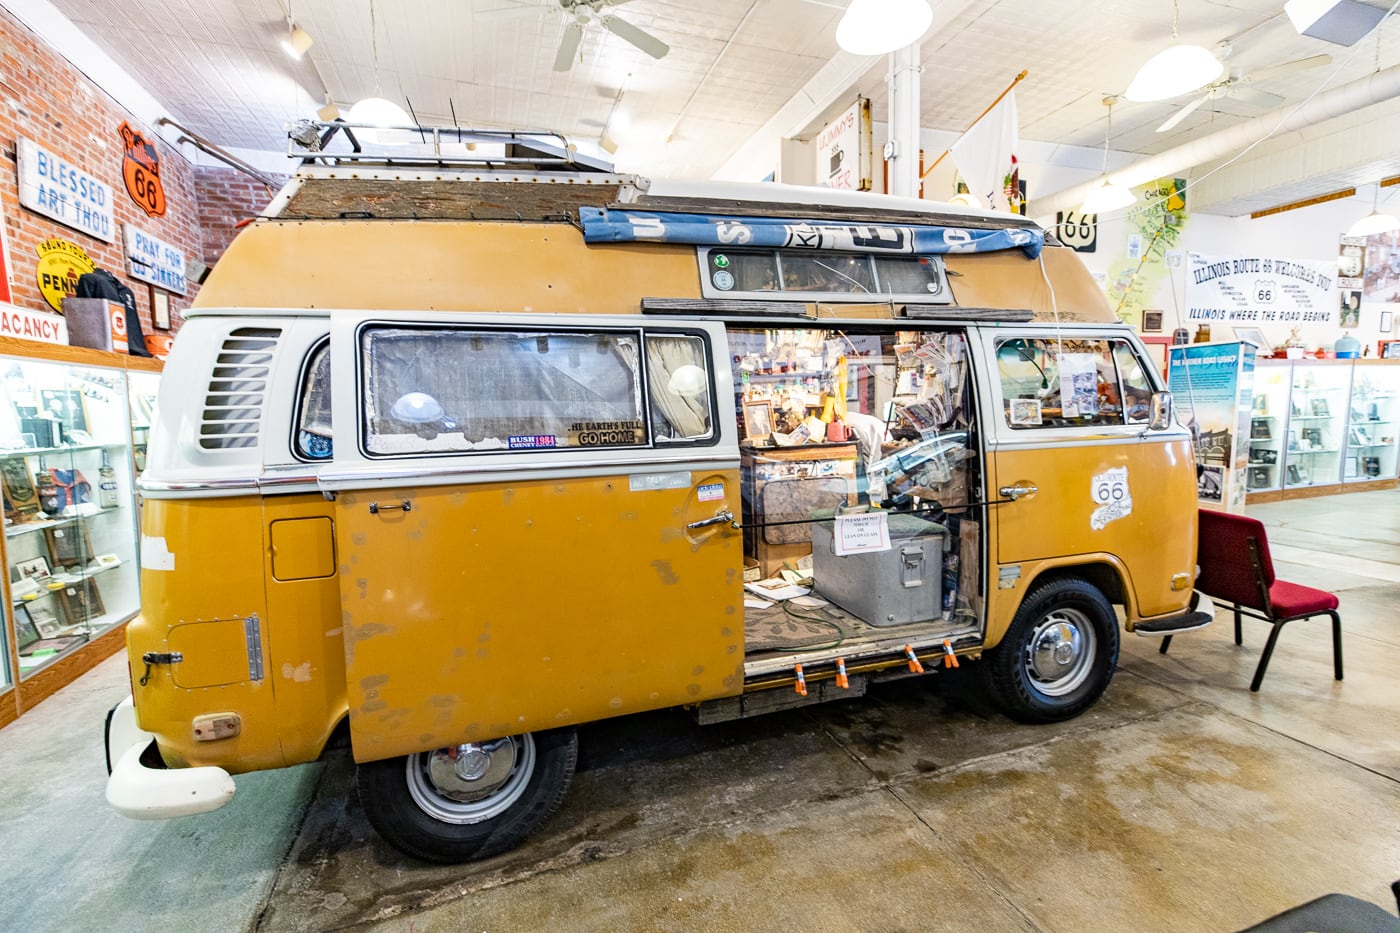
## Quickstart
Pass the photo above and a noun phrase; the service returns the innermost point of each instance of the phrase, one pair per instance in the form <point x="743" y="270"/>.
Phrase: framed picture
<point x="1293" y="440"/>
<point x="21" y="498"/>
<point x="1259" y="430"/>
<point x="160" y="309"/>
<point x="758" y="420"/>
<point x="1265" y="456"/>
<point x="1312" y="437"/>
<point x="1258" y="477"/>
<point x="69" y="545"/>
<point x="66" y="405"/>
<point x="1295" y="474"/>
<point x="81" y="602"/>
<point x="1319" y="408"/>
<point x="45" y="622"/>
<point x="35" y="569"/>
<point x="1152" y="322"/>
<point x="26" y="633"/>
<point x="1390" y="349"/>
<point x="1255" y="336"/>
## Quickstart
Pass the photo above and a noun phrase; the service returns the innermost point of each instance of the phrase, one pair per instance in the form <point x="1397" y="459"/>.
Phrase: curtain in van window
<point x="448" y="389"/>
<point x="680" y="387"/>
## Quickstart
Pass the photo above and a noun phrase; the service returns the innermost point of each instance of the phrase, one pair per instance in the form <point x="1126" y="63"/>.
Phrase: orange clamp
<point x="801" y="685"/>
<point x="914" y="665"/>
<point x="949" y="658"/>
<point x="841" y="679"/>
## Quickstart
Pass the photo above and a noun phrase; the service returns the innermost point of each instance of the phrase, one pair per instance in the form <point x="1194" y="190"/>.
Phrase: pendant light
<point x="1374" y="222"/>
<point x="1174" y="71"/>
<point x="1108" y="196"/>
<point x="874" y="27"/>
<point x="376" y="110"/>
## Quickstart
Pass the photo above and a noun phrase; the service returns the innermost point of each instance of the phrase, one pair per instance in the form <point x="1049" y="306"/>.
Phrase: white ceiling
<point x="216" y="67"/>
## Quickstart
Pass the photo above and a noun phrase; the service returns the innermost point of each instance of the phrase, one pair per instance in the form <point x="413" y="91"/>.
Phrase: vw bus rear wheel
<point x="1059" y="654"/>
<point x="472" y="800"/>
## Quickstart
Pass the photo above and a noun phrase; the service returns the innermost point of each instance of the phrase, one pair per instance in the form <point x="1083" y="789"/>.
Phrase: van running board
<point x="1201" y="614"/>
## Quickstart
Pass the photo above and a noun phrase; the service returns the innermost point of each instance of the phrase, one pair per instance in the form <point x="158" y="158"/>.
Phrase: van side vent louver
<point x="233" y="407"/>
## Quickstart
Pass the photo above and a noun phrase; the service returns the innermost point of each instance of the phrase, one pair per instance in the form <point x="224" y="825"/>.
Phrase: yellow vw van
<point x="457" y="453"/>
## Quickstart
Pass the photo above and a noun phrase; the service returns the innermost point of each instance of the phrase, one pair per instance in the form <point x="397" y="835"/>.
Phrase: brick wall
<point x="44" y="98"/>
<point x="227" y="196"/>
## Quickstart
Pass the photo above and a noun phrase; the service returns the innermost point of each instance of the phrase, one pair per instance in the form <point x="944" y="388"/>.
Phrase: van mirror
<point x="1161" y="411"/>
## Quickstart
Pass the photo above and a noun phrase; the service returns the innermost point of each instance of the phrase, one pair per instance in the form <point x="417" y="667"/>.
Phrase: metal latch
<point x="912" y="565"/>
<point x="375" y="508"/>
<point x="158" y="657"/>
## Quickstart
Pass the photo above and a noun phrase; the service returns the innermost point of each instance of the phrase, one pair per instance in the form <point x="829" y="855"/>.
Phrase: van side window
<point x="678" y="377"/>
<point x="440" y="389"/>
<point x="313" y="440"/>
<point x="1051" y="383"/>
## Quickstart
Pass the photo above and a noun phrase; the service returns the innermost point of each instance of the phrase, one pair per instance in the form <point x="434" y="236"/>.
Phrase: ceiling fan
<point x="1236" y="84"/>
<point x="581" y="14"/>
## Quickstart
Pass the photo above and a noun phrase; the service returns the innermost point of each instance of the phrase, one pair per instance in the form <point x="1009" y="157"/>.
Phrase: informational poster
<point x="1212" y="385"/>
<point x="1260" y="290"/>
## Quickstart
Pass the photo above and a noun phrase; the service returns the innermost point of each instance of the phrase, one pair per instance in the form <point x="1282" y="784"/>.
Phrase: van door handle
<point x="1015" y="492"/>
<point x="375" y="508"/>
<point x="721" y="518"/>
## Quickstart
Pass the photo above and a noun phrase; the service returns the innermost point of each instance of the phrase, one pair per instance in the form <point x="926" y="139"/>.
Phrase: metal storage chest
<point x="894" y="587"/>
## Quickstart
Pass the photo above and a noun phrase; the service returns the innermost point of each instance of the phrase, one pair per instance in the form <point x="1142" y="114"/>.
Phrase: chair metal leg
<point x="1239" y="633"/>
<point x="1264" y="658"/>
<point x="1336" y="643"/>
<point x="1166" y="643"/>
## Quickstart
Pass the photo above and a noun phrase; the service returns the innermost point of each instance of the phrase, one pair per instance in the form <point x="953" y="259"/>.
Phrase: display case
<point x="70" y="525"/>
<point x="1371" y="422"/>
<point x="1268" y="428"/>
<point x="1317" y="423"/>
<point x="1331" y="426"/>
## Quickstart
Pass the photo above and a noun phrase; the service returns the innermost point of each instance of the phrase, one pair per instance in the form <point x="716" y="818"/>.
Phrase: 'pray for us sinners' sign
<point x="153" y="260"/>
<point x="51" y="185"/>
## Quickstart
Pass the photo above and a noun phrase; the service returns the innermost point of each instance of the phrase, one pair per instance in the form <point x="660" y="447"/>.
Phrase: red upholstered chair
<point x="1236" y="569"/>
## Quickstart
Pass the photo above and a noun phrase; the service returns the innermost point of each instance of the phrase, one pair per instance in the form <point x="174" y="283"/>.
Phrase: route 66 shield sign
<point x="141" y="171"/>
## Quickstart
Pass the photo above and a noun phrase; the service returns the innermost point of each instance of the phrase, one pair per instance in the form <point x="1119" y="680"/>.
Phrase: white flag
<point x="984" y="154"/>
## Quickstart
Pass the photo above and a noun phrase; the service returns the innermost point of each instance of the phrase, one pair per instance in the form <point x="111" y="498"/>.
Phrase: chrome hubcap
<point x="1060" y="652"/>
<point x="474" y="781"/>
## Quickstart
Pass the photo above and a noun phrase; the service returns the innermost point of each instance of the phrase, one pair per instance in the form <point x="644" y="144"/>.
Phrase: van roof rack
<point x="340" y="142"/>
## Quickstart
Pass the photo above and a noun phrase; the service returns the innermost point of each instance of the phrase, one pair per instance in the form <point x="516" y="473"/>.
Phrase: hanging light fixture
<point x="1108" y="196"/>
<point x="875" y="27"/>
<point x="296" y="42"/>
<point x="1174" y="71"/>
<point x="1374" y="222"/>
<point x="376" y="110"/>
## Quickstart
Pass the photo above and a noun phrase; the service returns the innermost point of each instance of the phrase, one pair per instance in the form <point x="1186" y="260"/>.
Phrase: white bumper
<point x="143" y="793"/>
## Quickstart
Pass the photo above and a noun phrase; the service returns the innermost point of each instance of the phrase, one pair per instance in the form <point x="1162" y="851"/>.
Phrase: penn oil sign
<point x="141" y="171"/>
<point x="60" y="264"/>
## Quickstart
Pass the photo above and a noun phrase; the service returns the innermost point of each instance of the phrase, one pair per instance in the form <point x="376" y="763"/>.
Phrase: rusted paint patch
<point x="665" y="572"/>
<point x="370" y="630"/>
<point x="692" y="690"/>
<point x="442" y="701"/>
<point x="628" y="516"/>
<point x="373" y="706"/>
<point x="507" y="496"/>
<point x="373" y="682"/>
<point x="726" y="632"/>
<point x="697" y="670"/>
<point x="459" y="652"/>
<point x="482" y="654"/>
<point x="359" y="539"/>
<point x="730" y="610"/>
<point x="671" y="534"/>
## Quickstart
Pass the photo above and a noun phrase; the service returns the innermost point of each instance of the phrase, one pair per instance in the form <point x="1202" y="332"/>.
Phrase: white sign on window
<point x="51" y="185"/>
<point x="153" y="260"/>
<point x="861" y="534"/>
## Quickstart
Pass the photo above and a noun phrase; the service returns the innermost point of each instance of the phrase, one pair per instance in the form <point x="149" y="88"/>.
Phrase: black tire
<point x="423" y="806"/>
<point x="1058" y="656"/>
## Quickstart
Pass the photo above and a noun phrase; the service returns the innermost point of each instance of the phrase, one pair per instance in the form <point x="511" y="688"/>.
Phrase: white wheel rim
<point x="1060" y="652"/>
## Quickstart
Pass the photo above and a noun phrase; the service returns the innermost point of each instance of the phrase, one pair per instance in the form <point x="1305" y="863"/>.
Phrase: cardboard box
<point x="96" y="323"/>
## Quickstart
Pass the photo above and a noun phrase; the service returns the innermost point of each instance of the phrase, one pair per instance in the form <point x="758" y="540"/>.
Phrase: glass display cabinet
<point x="1372" y="421"/>
<point x="1317" y="421"/>
<point x="1268" y="427"/>
<point x="66" y="468"/>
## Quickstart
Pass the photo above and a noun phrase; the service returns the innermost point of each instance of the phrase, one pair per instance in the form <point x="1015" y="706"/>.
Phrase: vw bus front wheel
<point x="472" y="800"/>
<point x="1059" y="654"/>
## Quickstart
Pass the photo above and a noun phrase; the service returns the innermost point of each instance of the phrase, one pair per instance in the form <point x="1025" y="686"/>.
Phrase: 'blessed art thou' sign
<point x="51" y="185"/>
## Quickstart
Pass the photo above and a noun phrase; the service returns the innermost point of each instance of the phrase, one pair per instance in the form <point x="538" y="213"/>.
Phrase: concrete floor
<point x="1180" y="802"/>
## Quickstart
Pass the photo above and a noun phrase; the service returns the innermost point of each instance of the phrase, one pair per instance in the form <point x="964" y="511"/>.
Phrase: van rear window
<point x="443" y="389"/>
